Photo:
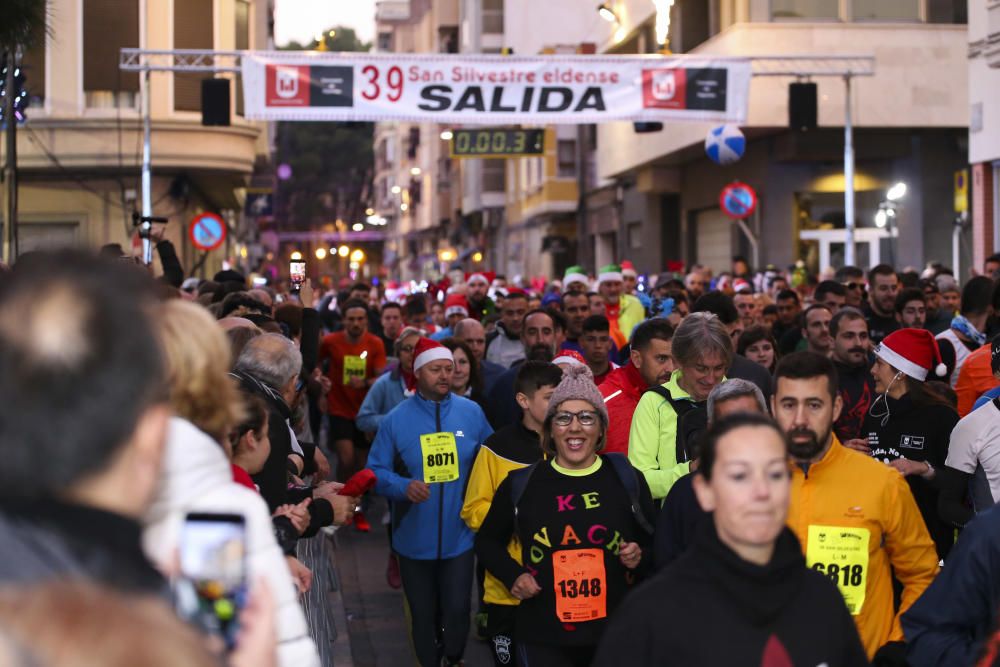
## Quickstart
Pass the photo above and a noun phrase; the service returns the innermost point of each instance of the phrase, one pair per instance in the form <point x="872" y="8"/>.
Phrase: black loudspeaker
<point x="802" y="106"/>
<point x="215" y="102"/>
<point x="645" y="127"/>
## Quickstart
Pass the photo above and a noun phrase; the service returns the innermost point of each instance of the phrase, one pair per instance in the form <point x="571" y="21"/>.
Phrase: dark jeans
<point x="438" y="589"/>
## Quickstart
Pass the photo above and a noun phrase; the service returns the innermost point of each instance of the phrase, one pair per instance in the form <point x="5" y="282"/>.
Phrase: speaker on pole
<point x="215" y="102"/>
<point x="802" y="106"/>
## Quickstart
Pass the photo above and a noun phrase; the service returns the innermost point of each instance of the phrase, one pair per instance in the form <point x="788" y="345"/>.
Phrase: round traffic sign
<point x="738" y="200"/>
<point x="207" y="231"/>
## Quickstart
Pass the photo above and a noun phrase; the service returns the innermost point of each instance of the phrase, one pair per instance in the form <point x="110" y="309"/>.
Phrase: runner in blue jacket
<point x="422" y="457"/>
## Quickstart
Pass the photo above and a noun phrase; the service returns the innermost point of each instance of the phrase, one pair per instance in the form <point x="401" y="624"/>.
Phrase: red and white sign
<point x="738" y="200"/>
<point x="484" y="89"/>
<point x="207" y="231"/>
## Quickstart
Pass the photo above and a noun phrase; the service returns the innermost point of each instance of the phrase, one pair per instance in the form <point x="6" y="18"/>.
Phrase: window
<point x="242" y="43"/>
<point x="885" y="10"/>
<point x="566" y="150"/>
<point x="493" y="175"/>
<point x="809" y="9"/>
<point x="635" y="236"/>
<point x="493" y="16"/>
<point x="385" y="41"/>
<point x="109" y="26"/>
<point x="947" y="11"/>
<point x="33" y="66"/>
<point x="193" y="29"/>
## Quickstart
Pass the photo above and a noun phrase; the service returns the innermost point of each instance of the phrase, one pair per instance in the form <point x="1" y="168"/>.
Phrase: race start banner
<point x="479" y="89"/>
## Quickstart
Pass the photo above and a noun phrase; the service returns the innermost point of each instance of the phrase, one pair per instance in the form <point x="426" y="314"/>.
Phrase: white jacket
<point x="197" y="477"/>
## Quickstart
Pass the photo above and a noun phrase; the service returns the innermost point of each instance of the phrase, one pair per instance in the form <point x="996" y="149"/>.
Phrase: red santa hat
<point x="914" y="352"/>
<point x="456" y="304"/>
<point x="478" y="278"/>
<point x="628" y="269"/>
<point x="428" y="350"/>
<point x="571" y="357"/>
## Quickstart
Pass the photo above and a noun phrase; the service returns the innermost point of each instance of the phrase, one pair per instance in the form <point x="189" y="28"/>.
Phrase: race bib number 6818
<point x="841" y="553"/>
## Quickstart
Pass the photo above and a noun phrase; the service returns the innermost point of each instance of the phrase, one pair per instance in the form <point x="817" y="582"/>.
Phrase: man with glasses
<point x="853" y="280"/>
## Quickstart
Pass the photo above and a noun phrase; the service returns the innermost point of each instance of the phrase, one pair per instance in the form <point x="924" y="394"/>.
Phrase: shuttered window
<point x="108" y="26"/>
<point x="193" y="29"/>
<point x="33" y="64"/>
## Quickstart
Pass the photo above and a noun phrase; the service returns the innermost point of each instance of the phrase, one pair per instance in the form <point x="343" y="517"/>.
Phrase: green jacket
<point x="652" y="442"/>
<point x="632" y="314"/>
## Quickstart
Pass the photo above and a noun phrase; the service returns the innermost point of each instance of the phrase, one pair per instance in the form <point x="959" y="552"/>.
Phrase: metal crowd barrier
<point x="316" y="554"/>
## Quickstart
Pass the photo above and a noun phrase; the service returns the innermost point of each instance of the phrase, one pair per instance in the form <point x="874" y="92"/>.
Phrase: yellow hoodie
<point x="858" y="524"/>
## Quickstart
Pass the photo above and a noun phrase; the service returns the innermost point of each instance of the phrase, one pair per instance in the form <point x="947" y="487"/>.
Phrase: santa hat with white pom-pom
<point x="913" y="352"/>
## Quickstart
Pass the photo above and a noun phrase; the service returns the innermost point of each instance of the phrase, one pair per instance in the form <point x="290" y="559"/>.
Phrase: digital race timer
<point x="496" y="142"/>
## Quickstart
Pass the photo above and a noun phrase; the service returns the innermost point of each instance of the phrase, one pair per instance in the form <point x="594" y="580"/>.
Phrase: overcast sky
<point x="301" y="19"/>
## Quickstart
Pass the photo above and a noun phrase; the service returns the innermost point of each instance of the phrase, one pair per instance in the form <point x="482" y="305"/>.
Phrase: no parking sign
<point x="738" y="200"/>
<point x="207" y="231"/>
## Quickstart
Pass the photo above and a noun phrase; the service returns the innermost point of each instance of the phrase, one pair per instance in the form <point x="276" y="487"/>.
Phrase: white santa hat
<point x="427" y="350"/>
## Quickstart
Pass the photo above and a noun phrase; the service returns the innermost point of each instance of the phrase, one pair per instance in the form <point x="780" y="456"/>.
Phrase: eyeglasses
<point x="587" y="418"/>
<point x="853" y="285"/>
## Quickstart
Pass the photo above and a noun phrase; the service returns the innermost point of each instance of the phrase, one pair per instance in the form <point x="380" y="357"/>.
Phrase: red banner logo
<point x="664" y="88"/>
<point x="287" y="85"/>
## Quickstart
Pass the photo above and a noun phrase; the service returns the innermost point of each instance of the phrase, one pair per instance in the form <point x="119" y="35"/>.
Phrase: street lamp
<point x="896" y="192"/>
<point x="607" y="13"/>
<point x="321" y="253"/>
<point x="343" y="251"/>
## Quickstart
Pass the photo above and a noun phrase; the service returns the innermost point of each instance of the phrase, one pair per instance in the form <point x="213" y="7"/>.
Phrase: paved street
<point x="376" y="623"/>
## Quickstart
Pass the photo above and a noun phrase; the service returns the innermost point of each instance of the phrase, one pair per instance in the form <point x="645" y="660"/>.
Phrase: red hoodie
<point x="621" y="391"/>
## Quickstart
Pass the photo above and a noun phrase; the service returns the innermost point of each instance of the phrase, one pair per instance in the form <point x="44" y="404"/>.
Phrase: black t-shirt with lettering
<point x="575" y="524"/>
<point x="918" y="432"/>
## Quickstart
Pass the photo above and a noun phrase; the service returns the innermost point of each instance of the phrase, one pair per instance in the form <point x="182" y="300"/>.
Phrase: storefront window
<point x="885" y="10"/>
<point x="806" y="9"/>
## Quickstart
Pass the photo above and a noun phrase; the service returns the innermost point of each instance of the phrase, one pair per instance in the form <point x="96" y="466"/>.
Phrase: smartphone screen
<point x="297" y="272"/>
<point x="212" y="588"/>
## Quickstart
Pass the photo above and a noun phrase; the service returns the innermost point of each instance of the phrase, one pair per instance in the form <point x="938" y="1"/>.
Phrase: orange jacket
<point x="845" y="500"/>
<point x="975" y="378"/>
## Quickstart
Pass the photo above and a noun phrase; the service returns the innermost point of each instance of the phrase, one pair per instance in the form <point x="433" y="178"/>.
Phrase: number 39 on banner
<point x="392" y="81"/>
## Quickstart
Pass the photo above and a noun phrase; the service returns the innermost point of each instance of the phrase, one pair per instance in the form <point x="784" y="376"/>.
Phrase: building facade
<point x="79" y="153"/>
<point x="909" y="120"/>
<point x="984" y="128"/>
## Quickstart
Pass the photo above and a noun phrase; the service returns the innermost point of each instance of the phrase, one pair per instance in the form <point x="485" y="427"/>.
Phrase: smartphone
<point x="212" y="588"/>
<point x="297" y="272"/>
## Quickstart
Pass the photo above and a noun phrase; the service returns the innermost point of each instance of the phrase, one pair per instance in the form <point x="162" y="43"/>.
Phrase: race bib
<point x="440" y="457"/>
<point x="841" y="553"/>
<point x="354" y="367"/>
<point x="581" y="585"/>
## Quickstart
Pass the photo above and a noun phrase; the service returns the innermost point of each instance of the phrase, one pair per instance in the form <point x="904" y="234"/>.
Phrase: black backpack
<point x="626" y="473"/>
<point x="692" y="422"/>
